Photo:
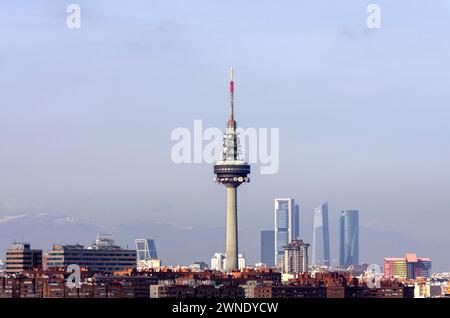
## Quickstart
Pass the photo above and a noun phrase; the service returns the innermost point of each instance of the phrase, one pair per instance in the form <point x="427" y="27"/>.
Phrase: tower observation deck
<point x="231" y="170"/>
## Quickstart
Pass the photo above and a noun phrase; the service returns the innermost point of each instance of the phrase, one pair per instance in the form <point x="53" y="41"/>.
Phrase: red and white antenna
<point x="231" y="121"/>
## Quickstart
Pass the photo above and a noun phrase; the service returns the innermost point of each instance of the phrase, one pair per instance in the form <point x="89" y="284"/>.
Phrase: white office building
<point x="287" y="222"/>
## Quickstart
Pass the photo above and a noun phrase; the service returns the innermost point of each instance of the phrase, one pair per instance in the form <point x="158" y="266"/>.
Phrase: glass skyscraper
<point x="349" y="237"/>
<point x="267" y="247"/>
<point x="321" y="237"/>
<point x="146" y="249"/>
<point x="287" y="216"/>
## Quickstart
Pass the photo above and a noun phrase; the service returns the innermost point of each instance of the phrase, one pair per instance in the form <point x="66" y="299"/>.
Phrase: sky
<point x="87" y="114"/>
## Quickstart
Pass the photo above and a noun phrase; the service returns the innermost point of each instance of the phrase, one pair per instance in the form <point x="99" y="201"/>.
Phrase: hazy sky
<point x="86" y="115"/>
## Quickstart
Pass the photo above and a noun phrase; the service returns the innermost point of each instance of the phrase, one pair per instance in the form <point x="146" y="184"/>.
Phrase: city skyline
<point x="253" y="250"/>
<point x="86" y="120"/>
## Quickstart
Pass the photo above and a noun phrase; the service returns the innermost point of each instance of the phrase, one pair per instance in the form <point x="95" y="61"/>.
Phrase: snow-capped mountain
<point x="44" y="229"/>
<point x="175" y="244"/>
<point x="182" y="245"/>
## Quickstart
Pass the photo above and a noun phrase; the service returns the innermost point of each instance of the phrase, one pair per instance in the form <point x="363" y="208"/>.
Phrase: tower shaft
<point x="231" y="170"/>
<point x="231" y="262"/>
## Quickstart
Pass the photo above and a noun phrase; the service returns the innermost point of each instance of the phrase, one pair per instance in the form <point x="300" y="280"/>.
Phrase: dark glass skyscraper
<point x="321" y="237"/>
<point x="349" y="237"/>
<point x="268" y="247"/>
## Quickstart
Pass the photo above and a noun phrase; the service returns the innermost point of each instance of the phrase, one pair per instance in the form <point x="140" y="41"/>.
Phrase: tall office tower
<point x="296" y="234"/>
<point x="287" y="215"/>
<point x="231" y="170"/>
<point x="295" y="257"/>
<point x="20" y="257"/>
<point x="145" y="249"/>
<point x="267" y="248"/>
<point x="321" y="237"/>
<point x="349" y="237"/>
<point x="147" y="258"/>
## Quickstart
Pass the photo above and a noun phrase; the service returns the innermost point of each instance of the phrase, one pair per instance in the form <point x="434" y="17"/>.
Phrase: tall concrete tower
<point x="231" y="170"/>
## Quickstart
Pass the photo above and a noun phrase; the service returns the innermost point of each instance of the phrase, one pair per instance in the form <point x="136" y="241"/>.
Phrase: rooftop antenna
<point x="231" y="121"/>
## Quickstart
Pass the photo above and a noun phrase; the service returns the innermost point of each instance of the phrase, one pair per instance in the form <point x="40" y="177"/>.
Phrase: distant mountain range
<point x="44" y="229"/>
<point x="183" y="245"/>
<point x="175" y="244"/>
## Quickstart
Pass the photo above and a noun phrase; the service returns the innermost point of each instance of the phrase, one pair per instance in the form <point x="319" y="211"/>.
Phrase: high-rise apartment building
<point x="295" y="257"/>
<point x="20" y="257"/>
<point x="242" y="261"/>
<point x="321" y="237"/>
<point x="104" y="256"/>
<point x="349" y="237"/>
<point x="218" y="262"/>
<point x="287" y="216"/>
<point x="410" y="266"/>
<point x="267" y="248"/>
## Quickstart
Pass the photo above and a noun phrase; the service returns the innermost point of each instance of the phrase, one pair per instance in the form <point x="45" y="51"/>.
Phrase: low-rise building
<point x="410" y="266"/>
<point x="104" y="256"/>
<point x="197" y="291"/>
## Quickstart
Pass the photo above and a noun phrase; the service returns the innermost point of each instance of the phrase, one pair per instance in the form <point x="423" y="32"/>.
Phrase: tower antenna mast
<point x="232" y="96"/>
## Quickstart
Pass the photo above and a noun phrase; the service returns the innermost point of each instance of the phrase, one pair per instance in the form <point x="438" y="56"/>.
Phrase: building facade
<point x="145" y="249"/>
<point x="349" y="237"/>
<point x="395" y="267"/>
<point x="287" y="216"/>
<point x="410" y="267"/>
<point x="295" y="257"/>
<point x="20" y="257"/>
<point x="104" y="256"/>
<point x="218" y="261"/>
<point x="321" y="237"/>
<point x="268" y="248"/>
<point x="198" y="266"/>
